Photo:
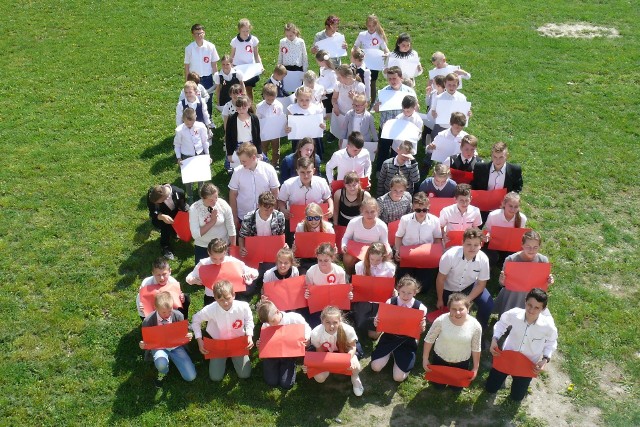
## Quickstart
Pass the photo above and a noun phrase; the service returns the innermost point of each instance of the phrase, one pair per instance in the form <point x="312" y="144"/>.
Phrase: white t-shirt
<point x="384" y="269"/>
<point x="496" y="218"/>
<point x="367" y="40"/>
<point x="250" y="184"/>
<point x="418" y="233"/>
<point x="336" y="276"/>
<point x="200" y="58"/>
<point x="244" y="50"/>
<point x="321" y="339"/>
<point x="462" y="273"/>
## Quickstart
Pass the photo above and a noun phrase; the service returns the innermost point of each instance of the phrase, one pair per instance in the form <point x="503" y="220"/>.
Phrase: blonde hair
<point x="217" y="246"/>
<point x="248" y="149"/>
<point x="269" y="89"/>
<point x="369" y="202"/>
<point x="341" y="338"/>
<point x="513" y="197"/>
<point x="190" y="85"/>
<point x="189" y="114"/>
<point x="345" y="70"/>
<point x="360" y="98"/>
<point x="314" y="209"/>
<point x="309" y="77"/>
<point x="303" y="90"/>
<point x="379" y="29"/>
<point x="442" y="170"/>
<point x="266" y="311"/>
<point x="357" y="53"/>
<point x="290" y="26"/>
<point x="323" y="57"/>
<point x="163" y="300"/>
<point x="222" y="288"/>
<point x="288" y="253"/>
<point x="407" y="280"/>
<point x="244" y="22"/>
<point x="326" y="249"/>
<point x="375" y="248"/>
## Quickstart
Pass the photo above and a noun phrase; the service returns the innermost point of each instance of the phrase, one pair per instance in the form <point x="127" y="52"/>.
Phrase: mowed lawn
<point x="87" y="105"/>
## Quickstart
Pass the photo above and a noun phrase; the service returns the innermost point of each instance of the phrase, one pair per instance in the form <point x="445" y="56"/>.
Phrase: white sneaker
<point x="358" y="388"/>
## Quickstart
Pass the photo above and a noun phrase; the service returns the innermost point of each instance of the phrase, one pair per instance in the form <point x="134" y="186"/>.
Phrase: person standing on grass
<point x="202" y="57"/>
<point x="531" y="333"/>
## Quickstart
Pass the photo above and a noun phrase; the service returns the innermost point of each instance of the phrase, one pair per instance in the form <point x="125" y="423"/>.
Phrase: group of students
<point x="263" y="192"/>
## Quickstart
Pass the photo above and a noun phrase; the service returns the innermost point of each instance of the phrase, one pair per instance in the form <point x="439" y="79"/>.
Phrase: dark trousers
<point x="425" y="276"/>
<point x="200" y="253"/>
<point x="483" y="302"/>
<point x="280" y="372"/>
<point x="167" y="233"/>
<point x="519" y="385"/>
<point x="384" y="152"/>
<point x="207" y="82"/>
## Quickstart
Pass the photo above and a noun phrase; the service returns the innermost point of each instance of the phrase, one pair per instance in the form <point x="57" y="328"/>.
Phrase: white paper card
<point x="409" y="66"/>
<point x="249" y="71"/>
<point x="292" y="81"/>
<point x="196" y="169"/>
<point x="443" y="72"/>
<point x="445" y="108"/>
<point x="400" y="129"/>
<point x="303" y="126"/>
<point x="328" y="82"/>
<point x="338" y="125"/>
<point x="273" y="127"/>
<point x="391" y="99"/>
<point x="445" y="147"/>
<point x="286" y="101"/>
<point x="374" y="59"/>
<point x="372" y="147"/>
<point x="333" y="46"/>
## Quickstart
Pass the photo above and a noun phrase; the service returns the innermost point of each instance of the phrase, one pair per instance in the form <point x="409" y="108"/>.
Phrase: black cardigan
<point x="231" y="134"/>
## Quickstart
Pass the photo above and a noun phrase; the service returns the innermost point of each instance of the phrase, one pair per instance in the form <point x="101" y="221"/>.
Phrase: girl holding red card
<point x="325" y="272"/>
<point x="334" y="335"/>
<point x="286" y="267"/>
<point x="402" y="347"/>
<point x="313" y="222"/>
<point x="507" y="299"/>
<point x="280" y="371"/>
<point x="455" y="337"/>
<point x="374" y="264"/>
<point x="217" y="251"/>
<point x="508" y="215"/>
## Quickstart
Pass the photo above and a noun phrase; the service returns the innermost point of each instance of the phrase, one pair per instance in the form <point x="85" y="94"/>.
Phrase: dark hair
<point x="304" y="141"/>
<point x="458" y="118"/>
<point x="356" y="139"/>
<point x="197" y="27"/>
<point x="160" y="263"/>
<point x="462" y="190"/>
<point x="539" y="295"/>
<point x="409" y="101"/>
<point x="403" y="37"/>
<point x="472" y="233"/>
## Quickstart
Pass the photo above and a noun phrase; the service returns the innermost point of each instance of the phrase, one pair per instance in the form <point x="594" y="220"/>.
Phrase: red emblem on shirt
<point x="331" y="279"/>
<point x="327" y="346"/>
<point x="431" y="195"/>
<point x="248" y="49"/>
<point x="375" y="42"/>
<point x="246" y="124"/>
<point x="237" y="324"/>
<point x="284" y="50"/>
<point x="206" y="59"/>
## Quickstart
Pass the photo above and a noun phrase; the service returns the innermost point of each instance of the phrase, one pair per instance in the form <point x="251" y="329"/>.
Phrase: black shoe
<point x="168" y="254"/>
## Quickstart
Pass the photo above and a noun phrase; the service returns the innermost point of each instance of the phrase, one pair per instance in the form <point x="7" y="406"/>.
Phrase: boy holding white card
<point x="409" y="113"/>
<point x="190" y="140"/>
<point x="450" y="94"/>
<point x="270" y="107"/>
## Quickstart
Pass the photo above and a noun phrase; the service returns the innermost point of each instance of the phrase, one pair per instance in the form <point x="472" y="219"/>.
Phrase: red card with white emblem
<point x="506" y="239"/>
<point x="165" y="336"/>
<point x="148" y="295"/>
<point x="421" y="256"/>
<point x="372" y="289"/>
<point x="297" y="214"/>
<point x="287" y="294"/>
<point x="231" y="271"/>
<point x="181" y="226"/>
<point x="514" y="363"/>
<point x="487" y="200"/>
<point x="282" y="341"/>
<point x="321" y="361"/>
<point x="398" y="320"/>
<point x="524" y="276"/>
<point x="233" y="347"/>
<point x="307" y="242"/>
<point x="449" y="375"/>
<point x="321" y="296"/>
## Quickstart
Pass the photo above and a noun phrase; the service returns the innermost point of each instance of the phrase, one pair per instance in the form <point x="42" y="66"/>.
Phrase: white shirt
<point x="455" y="343"/>
<point x="220" y="76"/>
<point x="294" y="193"/>
<point x="270" y="274"/>
<point x="497" y="218"/>
<point x="195" y="274"/>
<point x="533" y="340"/>
<point x="446" y="96"/>
<point x="190" y="141"/>
<point x="199" y="215"/>
<point x="384" y="269"/>
<point x="202" y="91"/>
<point x="360" y="164"/>
<point x="496" y="177"/>
<point x="409" y="304"/>
<point x="169" y="200"/>
<point x="264" y="110"/>
<point x="447" y="140"/>
<point x="244" y="130"/>
<point x="321" y="339"/>
<point x="224" y="325"/>
<point x="263" y="226"/>
<point x="296" y="109"/>
<point x="417" y="121"/>
<point x="201" y="58"/>
<point x="228" y="109"/>
<point x="293" y="52"/>
<point x="462" y="273"/>
<point x="291" y="318"/>
<point x="345" y="103"/>
<point x="357" y="232"/>
<point x="244" y="50"/>
<point x="367" y="40"/>
<point x="336" y="276"/>
<point x="454" y="220"/>
<point x="413" y="232"/>
<point x="250" y="184"/>
<point x="318" y="94"/>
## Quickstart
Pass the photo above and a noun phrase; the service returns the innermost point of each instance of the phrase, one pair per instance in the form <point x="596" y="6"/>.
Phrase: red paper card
<point x="449" y="375"/>
<point x="307" y="242"/>
<point x="165" y="336"/>
<point x="321" y="296"/>
<point x="461" y="177"/>
<point x="282" y="341"/>
<point x="231" y="271"/>
<point x="487" y="200"/>
<point x="226" y="348"/>
<point x="506" y="239"/>
<point x="338" y="184"/>
<point x="436" y="204"/>
<point x="262" y="249"/>
<point x="321" y="361"/>
<point x="524" y="276"/>
<point x="357" y="249"/>
<point x="297" y="214"/>
<point x="454" y="238"/>
<point x="148" y="295"/>
<point x="372" y="289"/>
<point x="433" y="315"/>
<point x="393" y="228"/>
<point x="287" y="294"/>
<point x="398" y="320"/>
<point x="421" y="256"/>
<point x="514" y="363"/>
<point x="181" y="226"/>
<point x="340" y="230"/>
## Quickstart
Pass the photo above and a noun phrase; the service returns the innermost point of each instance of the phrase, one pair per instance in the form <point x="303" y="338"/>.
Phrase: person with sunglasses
<point x="313" y="222"/>
<point x="417" y="228"/>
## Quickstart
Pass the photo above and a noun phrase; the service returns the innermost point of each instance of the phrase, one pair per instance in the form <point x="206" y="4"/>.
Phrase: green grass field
<point x="86" y="123"/>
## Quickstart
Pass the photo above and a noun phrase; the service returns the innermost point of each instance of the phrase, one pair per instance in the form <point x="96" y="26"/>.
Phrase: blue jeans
<point x="483" y="302"/>
<point x="179" y="357"/>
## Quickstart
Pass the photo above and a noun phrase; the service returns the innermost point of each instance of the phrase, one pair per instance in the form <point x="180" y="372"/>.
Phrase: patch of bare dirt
<point x="577" y="31"/>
